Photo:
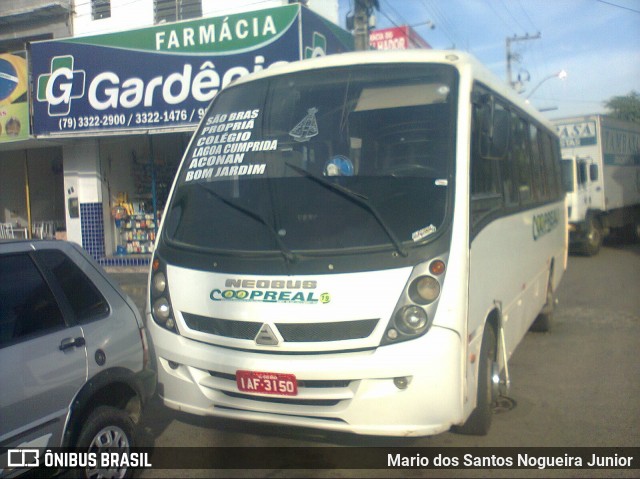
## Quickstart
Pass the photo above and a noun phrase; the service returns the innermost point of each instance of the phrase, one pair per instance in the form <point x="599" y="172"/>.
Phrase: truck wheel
<point x="107" y="429"/>
<point x="479" y="421"/>
<point x="593" y="239"/>
<point x="542" y="323"/>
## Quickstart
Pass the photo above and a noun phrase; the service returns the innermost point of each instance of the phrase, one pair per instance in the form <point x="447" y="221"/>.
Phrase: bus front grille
<point x="284" y="400"/>
<point x="335" y="331"/>
<point x="308" y="383"/>
<point x="290" y="332"/>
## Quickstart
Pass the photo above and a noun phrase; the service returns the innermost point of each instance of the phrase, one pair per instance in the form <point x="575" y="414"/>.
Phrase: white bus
<point x="357" y="243"/>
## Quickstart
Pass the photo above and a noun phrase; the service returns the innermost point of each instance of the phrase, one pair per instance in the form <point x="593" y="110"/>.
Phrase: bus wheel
<point x="479" y="421"/>
<point x="542" y="323"/>
<point x="593" y="238"/>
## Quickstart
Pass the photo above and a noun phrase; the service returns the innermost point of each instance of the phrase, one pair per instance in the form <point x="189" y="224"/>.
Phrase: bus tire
<point x="479" y="422"/>
<point x="593" y="237"/>
<point x="544" y="320"/>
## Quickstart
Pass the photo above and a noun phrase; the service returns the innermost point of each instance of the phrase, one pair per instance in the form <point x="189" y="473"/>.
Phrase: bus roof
<point x="463" y="61"/>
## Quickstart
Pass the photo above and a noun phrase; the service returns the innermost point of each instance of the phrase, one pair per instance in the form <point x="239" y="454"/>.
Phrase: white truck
<point x="602" y="156"/>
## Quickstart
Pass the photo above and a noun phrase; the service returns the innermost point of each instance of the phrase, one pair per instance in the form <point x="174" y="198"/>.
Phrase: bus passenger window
<point x="539" y="174"/>
<point x="520" y="160"/>
<point x="486" y="189"/>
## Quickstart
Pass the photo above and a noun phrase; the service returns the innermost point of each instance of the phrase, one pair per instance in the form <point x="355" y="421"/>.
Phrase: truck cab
<point x="585" y="201"/>
<point x="601" y="154"/>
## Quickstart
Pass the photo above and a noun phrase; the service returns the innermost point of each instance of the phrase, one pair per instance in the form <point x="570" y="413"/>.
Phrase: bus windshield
<point x="337" y="159"/>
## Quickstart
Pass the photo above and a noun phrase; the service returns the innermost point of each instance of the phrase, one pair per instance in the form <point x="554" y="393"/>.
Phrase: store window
<point x="172" y="10"/>
<point x="100" y="9"/>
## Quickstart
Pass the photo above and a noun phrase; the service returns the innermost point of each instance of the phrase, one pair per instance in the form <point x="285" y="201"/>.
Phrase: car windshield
<point x="338" y="159"/>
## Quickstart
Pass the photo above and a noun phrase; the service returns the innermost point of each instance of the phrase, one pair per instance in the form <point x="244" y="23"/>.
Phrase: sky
<point x="596" y="42"/>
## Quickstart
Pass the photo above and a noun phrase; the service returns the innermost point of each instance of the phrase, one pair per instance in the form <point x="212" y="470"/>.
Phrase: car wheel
<point x="107" y="429"/>
<point x="479" y="422"/>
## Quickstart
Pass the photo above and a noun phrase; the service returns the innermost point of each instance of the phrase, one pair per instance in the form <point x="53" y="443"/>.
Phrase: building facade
<point x="113" y="111"/>
<point x="31" y="185"/>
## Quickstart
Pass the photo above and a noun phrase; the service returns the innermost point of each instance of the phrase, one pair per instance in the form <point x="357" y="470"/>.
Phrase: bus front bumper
<point x="413" y="388"/>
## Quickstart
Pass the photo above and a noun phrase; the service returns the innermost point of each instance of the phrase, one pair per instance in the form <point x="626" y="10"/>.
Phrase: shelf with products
<point x="137" y="233"/>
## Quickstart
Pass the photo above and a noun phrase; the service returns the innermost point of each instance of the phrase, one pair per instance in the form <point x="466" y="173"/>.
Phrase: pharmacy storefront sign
<point x="164" y="77"/>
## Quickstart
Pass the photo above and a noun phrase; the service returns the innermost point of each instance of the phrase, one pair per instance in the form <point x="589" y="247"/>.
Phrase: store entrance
<point x="32" y="194"/>
<point x="139" y="171"/>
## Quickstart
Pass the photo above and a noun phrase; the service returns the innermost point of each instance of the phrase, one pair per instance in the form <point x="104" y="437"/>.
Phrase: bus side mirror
<point x="593" y="172"/>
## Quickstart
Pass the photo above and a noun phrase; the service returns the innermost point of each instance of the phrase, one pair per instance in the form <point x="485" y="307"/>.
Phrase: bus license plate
<point x="267" y="383"/>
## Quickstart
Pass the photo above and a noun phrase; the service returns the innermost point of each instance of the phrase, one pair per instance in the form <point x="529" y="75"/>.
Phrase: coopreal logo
<point x="61" y="85"/>
<point x="23" y="458"/>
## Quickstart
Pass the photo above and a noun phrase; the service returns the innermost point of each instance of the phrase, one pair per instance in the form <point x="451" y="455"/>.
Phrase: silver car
<point x="73" y="354"/>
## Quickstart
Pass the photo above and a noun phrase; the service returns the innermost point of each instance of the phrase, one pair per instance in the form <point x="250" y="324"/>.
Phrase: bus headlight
<point x="161" y="310"/>
<point x="159" y="282"/>
<point x="424" y="290"/>
<point x="412" y="320"/>
<point x="416" y="308"/>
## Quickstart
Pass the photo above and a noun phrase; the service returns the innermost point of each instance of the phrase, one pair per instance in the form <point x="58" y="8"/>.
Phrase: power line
<point x="441" y="20"/>
<point x="391" y="20"/>
<point x="618" y="6"/>
<point x="497" y="13"/>
<point x="526" y="14"/>
<point x="512" y="15"/>
<point x="397" y="14"/>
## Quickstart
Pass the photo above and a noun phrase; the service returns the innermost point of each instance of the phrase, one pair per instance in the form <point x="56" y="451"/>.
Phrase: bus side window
<point x="540" y="178"/>
<point x="551" y="160"/>
<point x="486" y="186"/>
<point x="520" y="160"/>
<point x="508" y="168"/>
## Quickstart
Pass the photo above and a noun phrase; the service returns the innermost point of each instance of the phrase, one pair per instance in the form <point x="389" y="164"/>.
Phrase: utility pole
<point x="363" y="10"/>
<point x="515" y="57"/>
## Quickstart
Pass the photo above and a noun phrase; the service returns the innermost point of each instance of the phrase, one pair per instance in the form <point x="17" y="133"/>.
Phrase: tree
<point x="626" y="107"/>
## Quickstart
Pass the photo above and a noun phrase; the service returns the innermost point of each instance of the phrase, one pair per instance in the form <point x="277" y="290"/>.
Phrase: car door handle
<point x="71" y="343"/>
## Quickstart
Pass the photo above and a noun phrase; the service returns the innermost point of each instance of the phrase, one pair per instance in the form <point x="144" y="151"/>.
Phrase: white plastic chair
<point x="6" y="231"/>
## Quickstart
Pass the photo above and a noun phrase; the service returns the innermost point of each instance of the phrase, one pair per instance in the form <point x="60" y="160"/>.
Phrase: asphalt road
<point x="577" y="386"/>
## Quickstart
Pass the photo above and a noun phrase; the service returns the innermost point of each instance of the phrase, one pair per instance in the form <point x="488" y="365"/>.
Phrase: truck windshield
<point x="322" y="160"/>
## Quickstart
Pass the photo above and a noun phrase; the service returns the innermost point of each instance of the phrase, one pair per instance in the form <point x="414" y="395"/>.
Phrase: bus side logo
<point x="545" y="223"/>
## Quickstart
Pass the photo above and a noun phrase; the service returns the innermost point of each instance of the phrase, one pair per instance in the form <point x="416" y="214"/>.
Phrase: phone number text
<point x="122" y="120"/>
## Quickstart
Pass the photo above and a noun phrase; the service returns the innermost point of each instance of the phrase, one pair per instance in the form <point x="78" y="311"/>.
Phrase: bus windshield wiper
<point x="357" y="198"/>
<point x="288" y="255"/>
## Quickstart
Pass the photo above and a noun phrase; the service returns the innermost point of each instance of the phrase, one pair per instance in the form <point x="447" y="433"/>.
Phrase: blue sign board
<point x="165" y="76"/>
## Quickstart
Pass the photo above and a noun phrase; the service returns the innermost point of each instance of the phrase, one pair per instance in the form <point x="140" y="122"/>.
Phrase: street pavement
<point x="576" y="386"/>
